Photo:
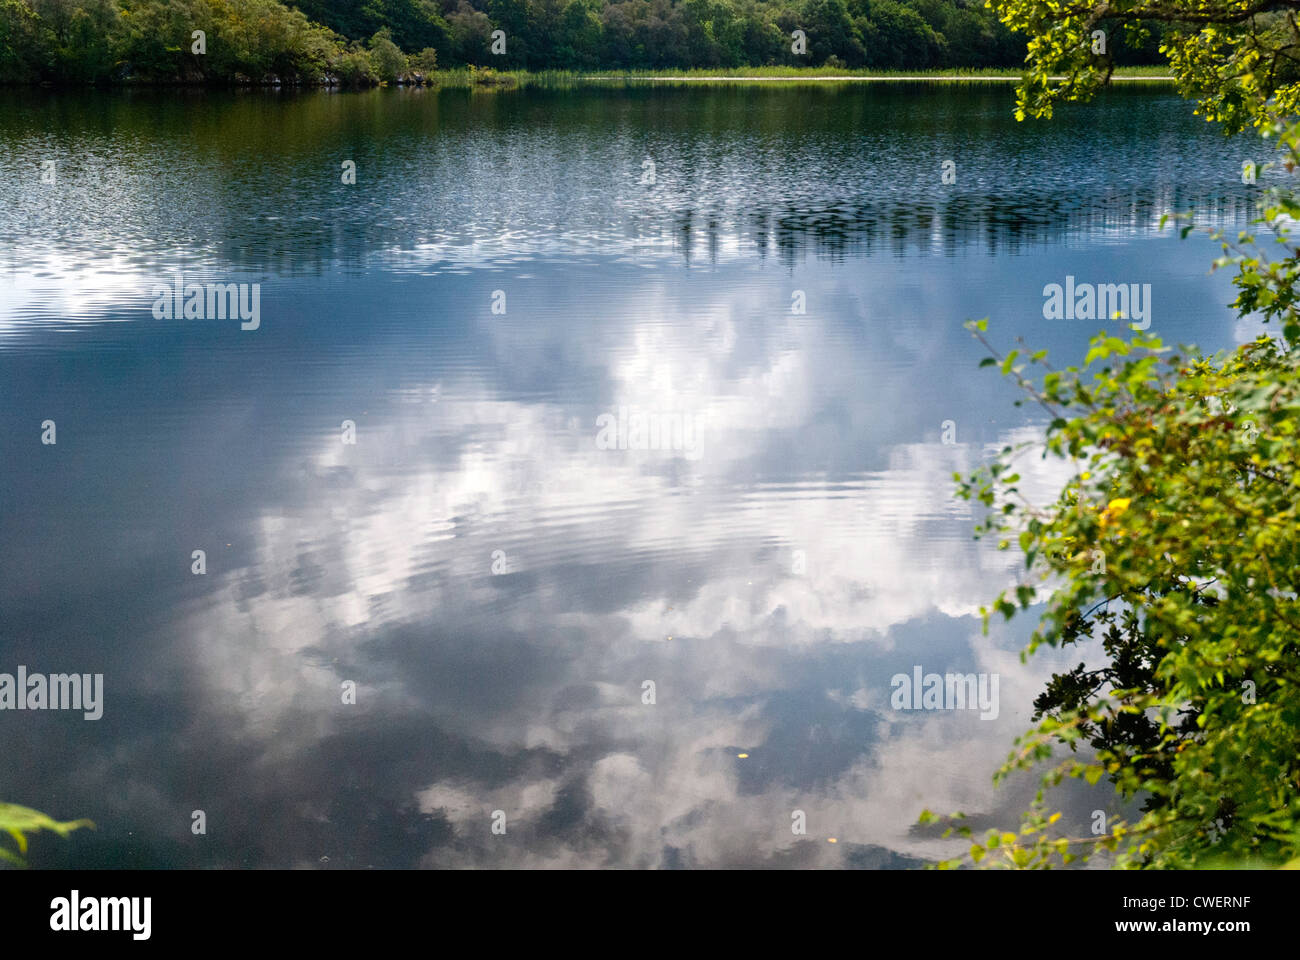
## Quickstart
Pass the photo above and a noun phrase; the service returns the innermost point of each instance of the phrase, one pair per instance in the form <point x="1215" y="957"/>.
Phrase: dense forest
<point x="366" y="41"/>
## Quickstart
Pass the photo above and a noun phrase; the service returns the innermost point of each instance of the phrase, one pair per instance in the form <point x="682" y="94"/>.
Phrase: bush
<point x="426" y="61"/>
<point x="354" y="67"/>
<point x="388" y="62"/>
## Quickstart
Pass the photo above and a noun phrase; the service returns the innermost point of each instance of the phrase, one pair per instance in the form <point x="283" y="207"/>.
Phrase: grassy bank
<point x="471" y="77"/>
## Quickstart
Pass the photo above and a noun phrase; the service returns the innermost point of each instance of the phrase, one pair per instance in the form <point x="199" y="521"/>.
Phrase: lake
<point x="576" y="482"/>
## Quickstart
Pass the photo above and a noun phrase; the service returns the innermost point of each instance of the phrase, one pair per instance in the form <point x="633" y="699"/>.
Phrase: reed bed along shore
<point x="470" y="77"/>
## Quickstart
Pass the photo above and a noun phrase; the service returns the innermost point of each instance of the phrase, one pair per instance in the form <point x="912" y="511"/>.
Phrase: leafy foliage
<point x="1187" y="488"/>
<point x="1238" y="58"/>
<point x="1176" y="543"/>
<point x="387" y="58"/>
<point x="19" y="821"/>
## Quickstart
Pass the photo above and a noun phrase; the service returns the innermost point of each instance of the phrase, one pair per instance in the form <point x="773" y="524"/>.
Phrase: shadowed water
<point x="497" y="583"/>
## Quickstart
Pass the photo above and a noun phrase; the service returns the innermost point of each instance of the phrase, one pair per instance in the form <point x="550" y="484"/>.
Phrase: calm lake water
<point x="496" y="573"/>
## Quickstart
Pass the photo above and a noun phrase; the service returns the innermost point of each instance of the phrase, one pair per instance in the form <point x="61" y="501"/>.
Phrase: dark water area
<point x="451" y="622"/>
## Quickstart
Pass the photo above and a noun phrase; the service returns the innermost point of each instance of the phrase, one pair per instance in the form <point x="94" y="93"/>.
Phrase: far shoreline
<point x="850" y="78"/>
<point x="488" y="78"/>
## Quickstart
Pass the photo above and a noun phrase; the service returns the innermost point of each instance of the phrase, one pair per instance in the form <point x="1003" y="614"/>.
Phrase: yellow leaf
<point x="1114" y="510"/>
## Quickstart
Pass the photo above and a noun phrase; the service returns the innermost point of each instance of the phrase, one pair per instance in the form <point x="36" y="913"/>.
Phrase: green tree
<point x="155" y="41"/>
<point x="253" y="40"/>
<point x="898" y="37"/>
<point x="355" y="67"/>
<point x="515" y="18"/>
<point x="470" y="30"/>
<point x="386" y="57"/>
<point x="831" y="33"/>
<point x="19" y="41"/>
<point x="414" y="23"/>
<point x="76" y="38"/>
<point x="579" y="35"/>
<point x="426" y="61"/>
<point x="1176" y="542"/>
<point x="1236" y="57"/>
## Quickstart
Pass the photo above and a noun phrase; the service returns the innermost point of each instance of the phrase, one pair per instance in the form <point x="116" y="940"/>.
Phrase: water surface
<point x="497" y="585"/>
